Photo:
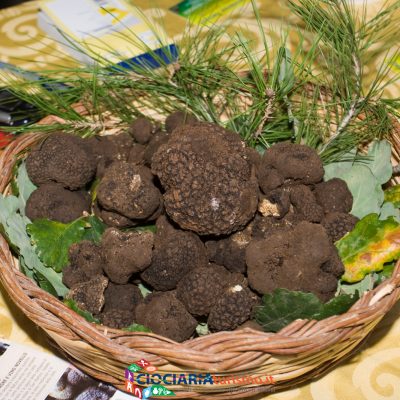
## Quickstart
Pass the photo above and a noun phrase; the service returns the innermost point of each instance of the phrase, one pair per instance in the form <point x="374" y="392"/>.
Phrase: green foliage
<point x="14" y="225"/>
<point x="370" y="245"/>
<point x="334" y="47"/>
<point x="85" y="314"/>
<point x="52" y="239"/>
<point x="136" y="328"/>
<point x="144" y="289"/>
<point x="392" y="195"/>
<point x="284" y="306"/>
<point x="25" y="187"/>
<point x="202" y="329"/>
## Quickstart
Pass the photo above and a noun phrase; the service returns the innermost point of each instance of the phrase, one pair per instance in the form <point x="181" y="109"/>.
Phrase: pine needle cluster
<point x="317" y="95"/>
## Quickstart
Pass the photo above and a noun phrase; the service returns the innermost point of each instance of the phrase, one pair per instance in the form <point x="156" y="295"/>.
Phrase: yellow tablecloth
<point x="372" y="374"/>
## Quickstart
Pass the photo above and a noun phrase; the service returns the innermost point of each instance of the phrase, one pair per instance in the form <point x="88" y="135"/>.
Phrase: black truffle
<point x="230" y="252"/>
<point x="128" y="190"/>
<point x="89" y="296"/>
<point x="61" y="158"/>
<point x="305" y="204"/>
<point x="108" y="149"/>
<point x="295" y="259"/>
<point x="334" y="196"/>
<point x="126" y="253"/>
<point x="165" y="315"/>
<point x="53" y="202"/>
<point x="289" y="161"/>
<point x="122" y="297"/>
<point x="112" y="218"/>
<point x="141" y="130"/>
<point x="175" y="254"/>
<point x="199" y="289"/>
<point x="338" y="224"/>
<point x="117" y="319"/>
<point x="85" y="262"/>
<point x="232" y="309"/>
<point x="210" y="187"/>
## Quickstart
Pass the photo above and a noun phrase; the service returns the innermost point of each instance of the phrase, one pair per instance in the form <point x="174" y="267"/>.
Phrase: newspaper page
<point x="29" y="374"/>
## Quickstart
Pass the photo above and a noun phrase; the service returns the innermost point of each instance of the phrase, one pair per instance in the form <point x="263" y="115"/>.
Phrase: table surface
<point x="372" y="374"/>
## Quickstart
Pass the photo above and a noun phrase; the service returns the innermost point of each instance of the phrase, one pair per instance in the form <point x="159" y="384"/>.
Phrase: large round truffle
<point x="165" y="315"/>
<point x="61" y="158"/>
<point x="126" y="253"/>
<point x="210" y="185"/>
<point x="295" y="259"/>
<point x="53" y="202"/>
<point x="127" y="189"/>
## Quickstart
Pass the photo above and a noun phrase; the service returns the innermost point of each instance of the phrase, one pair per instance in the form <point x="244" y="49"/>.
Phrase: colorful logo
<point x="154" y="390"/>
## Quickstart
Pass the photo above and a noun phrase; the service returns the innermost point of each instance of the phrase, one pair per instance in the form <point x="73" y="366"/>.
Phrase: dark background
<point x="8" y="3"/>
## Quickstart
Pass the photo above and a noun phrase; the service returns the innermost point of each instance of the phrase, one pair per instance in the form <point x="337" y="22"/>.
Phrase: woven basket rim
<point x="311" y="345"/>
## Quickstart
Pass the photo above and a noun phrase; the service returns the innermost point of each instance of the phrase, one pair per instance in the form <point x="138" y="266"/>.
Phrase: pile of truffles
<point x="231" y="225"/>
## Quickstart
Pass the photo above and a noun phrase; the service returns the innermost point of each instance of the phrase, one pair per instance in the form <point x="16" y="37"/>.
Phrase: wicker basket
<point x="301" y="351"/>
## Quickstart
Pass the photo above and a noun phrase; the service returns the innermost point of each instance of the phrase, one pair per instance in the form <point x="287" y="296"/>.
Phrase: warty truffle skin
<point x="334" y="196"/>
<point x="165" y="315"/>
<point x="175" y="254"/>
<point x="305" y="204"/>
<point x="289" y="161"/>
<point x="199" y="289"/>
<point x="232" y="309"/>
<point x="61" y="158"/>
<point x="295" y="259"/>
<point x="85" y="262"/>
<point x="338" y="224"/>
<point x="127" y="189"/>
<point x="126" y="253"/>
<point x="210" y="186"/>
<point x="122" y="297"/>
<point x="53" y="202"/>
<point x="141" y="130"/>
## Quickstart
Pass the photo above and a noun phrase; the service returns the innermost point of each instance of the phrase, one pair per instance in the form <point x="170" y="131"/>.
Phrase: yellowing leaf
<point x="369" y="246"/>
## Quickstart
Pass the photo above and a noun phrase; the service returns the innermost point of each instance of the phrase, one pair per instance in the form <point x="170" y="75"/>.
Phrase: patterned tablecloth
<point x="372" y="374"/>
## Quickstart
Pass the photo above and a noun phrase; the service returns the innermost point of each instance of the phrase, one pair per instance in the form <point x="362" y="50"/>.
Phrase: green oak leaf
<point x="15" y="228"/>
<point x="53" y="239"/>
<point x="370" y="245"/>
<point x="284" y="306"/>
<point x="366" y="190"/>
<point x="338" y="168"/>
<point x="25" y="187"/>
<point x="337" y="305"/>
<point x="389" y="210"/>
<point x="380" y="153"/>
<point x="136" y="328"/>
